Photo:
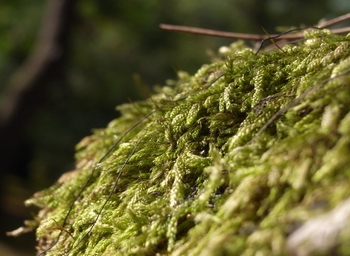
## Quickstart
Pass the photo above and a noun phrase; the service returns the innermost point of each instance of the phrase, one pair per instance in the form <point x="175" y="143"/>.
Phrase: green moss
<point x="204" y="174"/>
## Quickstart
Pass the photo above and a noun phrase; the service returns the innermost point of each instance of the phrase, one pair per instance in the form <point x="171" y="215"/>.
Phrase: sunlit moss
<point x="199" y="176"/>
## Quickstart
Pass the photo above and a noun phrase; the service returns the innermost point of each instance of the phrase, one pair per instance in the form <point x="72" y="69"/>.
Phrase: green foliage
<point x="111" y="43"/>
<point x="198" y="176"/>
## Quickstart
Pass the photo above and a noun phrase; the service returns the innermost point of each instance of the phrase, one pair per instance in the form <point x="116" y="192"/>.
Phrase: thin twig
<point x="281" y="38"/>
<point x="257" y="37"/>
<point x="113" y="188"/>
<point x="329" y="23"/>
<point x="243" y="36"/>
<point x="209" y="32"/>
<point x="90" y="177"/>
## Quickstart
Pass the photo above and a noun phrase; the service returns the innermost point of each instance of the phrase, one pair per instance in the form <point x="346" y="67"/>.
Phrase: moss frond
<point x="199" y="175"/>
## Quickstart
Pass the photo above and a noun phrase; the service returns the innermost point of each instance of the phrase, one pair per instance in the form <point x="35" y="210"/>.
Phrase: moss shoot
<point x="206" y="166"/>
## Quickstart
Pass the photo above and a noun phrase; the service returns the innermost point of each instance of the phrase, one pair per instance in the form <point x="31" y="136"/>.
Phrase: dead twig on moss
<point x="259" y="37"/>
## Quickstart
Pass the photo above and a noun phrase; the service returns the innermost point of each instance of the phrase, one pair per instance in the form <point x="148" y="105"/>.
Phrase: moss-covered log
<point x="229" y="161"/>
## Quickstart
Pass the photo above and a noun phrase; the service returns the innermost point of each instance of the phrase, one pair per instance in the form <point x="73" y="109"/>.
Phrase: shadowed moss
<point x="199" y="175"/>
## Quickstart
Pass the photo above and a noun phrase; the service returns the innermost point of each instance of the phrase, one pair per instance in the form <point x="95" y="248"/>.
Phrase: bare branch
<point x="26" y="88"/>
<point x="329" y="23"/>
<point x="47" y="50"/>
<point x="257" y="37"/>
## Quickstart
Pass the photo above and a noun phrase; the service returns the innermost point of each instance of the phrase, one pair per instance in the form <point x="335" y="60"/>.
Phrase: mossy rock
<point x="229" y="161"/>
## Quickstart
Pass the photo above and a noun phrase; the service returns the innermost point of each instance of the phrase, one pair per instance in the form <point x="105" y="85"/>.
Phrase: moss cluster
<point x="200" y="172"/>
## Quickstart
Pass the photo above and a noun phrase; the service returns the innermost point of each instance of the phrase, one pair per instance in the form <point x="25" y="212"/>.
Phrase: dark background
<point x="103" y="53"/>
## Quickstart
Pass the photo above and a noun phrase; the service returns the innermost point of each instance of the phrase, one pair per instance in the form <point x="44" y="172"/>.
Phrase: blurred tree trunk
<point x="26" y="88"/>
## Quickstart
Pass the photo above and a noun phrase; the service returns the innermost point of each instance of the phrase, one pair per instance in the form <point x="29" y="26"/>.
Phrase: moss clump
<point x="199" y="175"/>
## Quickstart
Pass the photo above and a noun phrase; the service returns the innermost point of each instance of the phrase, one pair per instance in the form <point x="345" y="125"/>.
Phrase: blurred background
<point x="66" y="64"/>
